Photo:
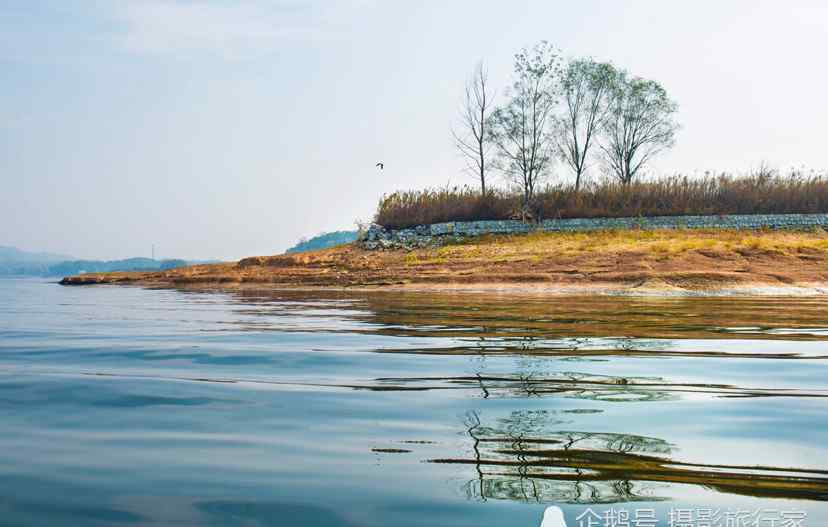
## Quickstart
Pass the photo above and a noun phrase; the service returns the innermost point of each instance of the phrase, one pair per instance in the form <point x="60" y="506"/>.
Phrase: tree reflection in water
<point x="524" y="457"/>
<point x="504" y="457"/>
<point x="521" y="347"/>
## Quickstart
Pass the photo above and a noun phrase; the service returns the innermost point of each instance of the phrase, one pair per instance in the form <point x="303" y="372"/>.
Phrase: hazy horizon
<point x="222" y="130"/>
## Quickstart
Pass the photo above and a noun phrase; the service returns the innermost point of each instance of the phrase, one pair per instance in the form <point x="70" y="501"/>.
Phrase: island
<point x="666" y="261"/>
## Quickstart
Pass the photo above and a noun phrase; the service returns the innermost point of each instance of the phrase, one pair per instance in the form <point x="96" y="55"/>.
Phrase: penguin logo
<point x="553" y="517"/>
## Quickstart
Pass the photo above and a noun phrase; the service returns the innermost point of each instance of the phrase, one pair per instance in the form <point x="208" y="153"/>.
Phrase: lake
<point x="127" y="406"/>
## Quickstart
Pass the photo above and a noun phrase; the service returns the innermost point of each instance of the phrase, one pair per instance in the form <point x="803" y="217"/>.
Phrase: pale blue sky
<point x="225" y="129"/>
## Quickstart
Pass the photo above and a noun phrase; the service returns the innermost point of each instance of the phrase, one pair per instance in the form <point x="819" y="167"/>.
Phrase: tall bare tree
<point x="640" y="123"/>
<point x="474" y="139"/>
<point x="585" y="85"/>
<point x="521" y="128"/>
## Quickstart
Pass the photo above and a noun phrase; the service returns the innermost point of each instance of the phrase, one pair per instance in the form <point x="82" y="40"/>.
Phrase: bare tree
<point x="585" y="86"/>
<point x="475" y="116"/>
<point x="640" y="123"/>
<point x="521" y="128"/>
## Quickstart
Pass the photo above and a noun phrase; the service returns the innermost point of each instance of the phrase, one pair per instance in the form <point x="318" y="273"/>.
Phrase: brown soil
<point x="649" y="261"/>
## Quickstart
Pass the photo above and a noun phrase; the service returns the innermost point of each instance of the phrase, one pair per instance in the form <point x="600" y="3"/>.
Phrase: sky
<point x="222" y="129"/>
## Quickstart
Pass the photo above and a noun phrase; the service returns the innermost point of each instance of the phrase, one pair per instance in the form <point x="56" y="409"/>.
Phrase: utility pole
<point x="153" y="251"/>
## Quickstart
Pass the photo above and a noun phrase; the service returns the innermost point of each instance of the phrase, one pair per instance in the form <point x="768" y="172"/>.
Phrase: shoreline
<point x="617" y="263"/>
<point x="756" y="289"/>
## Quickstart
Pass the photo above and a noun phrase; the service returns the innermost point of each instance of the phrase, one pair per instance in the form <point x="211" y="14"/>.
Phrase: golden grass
<point x="660" y="243"/>
<point x="765" y="191"/>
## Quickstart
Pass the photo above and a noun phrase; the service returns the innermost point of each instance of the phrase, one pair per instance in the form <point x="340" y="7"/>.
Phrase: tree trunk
<point x="482" y="178"/>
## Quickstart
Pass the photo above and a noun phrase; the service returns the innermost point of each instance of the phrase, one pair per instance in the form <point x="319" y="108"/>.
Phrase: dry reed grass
<point x="763" y="192"/>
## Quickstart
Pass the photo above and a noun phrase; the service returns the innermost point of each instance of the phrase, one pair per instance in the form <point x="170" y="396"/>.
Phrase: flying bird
<point x="381" y="166"/>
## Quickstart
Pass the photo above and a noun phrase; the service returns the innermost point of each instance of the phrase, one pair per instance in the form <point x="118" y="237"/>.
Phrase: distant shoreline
<point x="634" y="263"/>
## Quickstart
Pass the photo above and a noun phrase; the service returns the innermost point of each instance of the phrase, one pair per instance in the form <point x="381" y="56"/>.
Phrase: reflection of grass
<point x="512" y="462"/>
<point x="482" y="325"/>
<point x="606" y="477"/>
<point x="567" y="384"/>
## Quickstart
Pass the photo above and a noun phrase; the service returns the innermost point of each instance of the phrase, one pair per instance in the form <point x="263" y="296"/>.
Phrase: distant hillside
<point x="13" y="254"/>
<point x="96" y="266"/>
<point x="14" y="262"/>
<point x="323" y="241"/>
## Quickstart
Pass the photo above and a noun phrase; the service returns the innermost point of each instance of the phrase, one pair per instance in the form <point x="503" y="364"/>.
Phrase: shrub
<point x="763" y="192"/>
<point x="420" y="207"/>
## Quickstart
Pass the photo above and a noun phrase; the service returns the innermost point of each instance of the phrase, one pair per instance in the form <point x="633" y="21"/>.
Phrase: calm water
<point x="156" y="407"/>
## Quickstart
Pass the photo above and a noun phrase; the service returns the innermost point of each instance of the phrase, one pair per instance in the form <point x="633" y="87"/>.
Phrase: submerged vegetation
<point x="763" y="192"/>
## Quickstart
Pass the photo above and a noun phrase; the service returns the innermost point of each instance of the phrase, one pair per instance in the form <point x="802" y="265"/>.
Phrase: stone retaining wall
<point x="436" y="234"/>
